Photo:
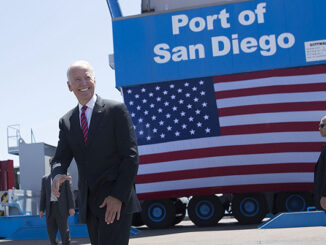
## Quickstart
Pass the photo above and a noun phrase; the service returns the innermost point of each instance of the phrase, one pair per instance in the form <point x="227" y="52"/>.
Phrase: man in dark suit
<point x="320" y="172"/>
<point x="57" y="210"/>
<point x="100" y="135"/>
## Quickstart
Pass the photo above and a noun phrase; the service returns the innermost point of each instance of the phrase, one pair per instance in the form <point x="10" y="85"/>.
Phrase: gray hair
<point x="80" y="63"/>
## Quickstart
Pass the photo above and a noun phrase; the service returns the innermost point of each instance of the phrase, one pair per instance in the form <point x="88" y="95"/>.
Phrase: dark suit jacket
<point x="108" y="163"/>
<point x="65" y="201"/>
<point x="320" y="178"/>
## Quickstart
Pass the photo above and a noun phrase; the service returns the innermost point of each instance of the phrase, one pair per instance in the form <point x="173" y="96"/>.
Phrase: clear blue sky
<point x="39" y="40"/>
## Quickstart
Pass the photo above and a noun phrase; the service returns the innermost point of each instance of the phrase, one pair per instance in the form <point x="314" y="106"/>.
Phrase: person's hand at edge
<point x="113" y="209"/>
<point x="41" y="214"/>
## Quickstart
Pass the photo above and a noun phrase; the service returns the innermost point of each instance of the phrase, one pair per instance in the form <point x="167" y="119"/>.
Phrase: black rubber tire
<point x="137" y="220"/>
<point x="180" y="211"/>
<point x="158" y="214"/>
<point x="249" y="208"/>
<point x="205" y="210"/>
<point x="293" y="201"/>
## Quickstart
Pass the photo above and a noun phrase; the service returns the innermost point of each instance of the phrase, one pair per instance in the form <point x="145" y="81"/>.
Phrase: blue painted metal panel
<point x="9" y="224"/>
<point x="32" y="227"/>
<point x="134" y="231"/>
<point x="296" y="219"/>
<point x="225" y="39"/>
<point x="28" y="233"/>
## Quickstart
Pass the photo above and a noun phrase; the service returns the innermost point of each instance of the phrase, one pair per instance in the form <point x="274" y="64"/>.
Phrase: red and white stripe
<point x="269" y="139"/>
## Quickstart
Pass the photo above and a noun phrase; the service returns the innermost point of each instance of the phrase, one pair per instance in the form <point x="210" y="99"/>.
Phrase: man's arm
<point x="128" y="167"/>
<point x="127" y="147"/>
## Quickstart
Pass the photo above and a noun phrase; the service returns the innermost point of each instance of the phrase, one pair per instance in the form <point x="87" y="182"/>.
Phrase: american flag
<point x="249" y="132"/>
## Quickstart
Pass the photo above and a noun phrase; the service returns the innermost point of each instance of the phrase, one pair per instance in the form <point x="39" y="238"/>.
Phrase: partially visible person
<point x="57" y="209"/>
<point x="320" y="172"/>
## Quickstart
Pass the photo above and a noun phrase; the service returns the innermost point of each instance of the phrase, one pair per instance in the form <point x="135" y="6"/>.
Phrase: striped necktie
<point x="83" y="123"/>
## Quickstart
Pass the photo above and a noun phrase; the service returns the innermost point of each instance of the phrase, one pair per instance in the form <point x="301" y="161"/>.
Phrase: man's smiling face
<point x="82" y="83"/>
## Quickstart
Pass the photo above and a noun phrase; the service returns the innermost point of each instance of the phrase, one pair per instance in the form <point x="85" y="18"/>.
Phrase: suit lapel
<point x="97" y="116"/>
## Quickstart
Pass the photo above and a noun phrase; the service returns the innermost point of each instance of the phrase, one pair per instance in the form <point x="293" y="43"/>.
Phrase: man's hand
<point x="323" y="202"/>
<point x="57" y="181"/>
<point x="41" y="214"/>
<point x="113" y="209"/>
<point x="71" y="211"/>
